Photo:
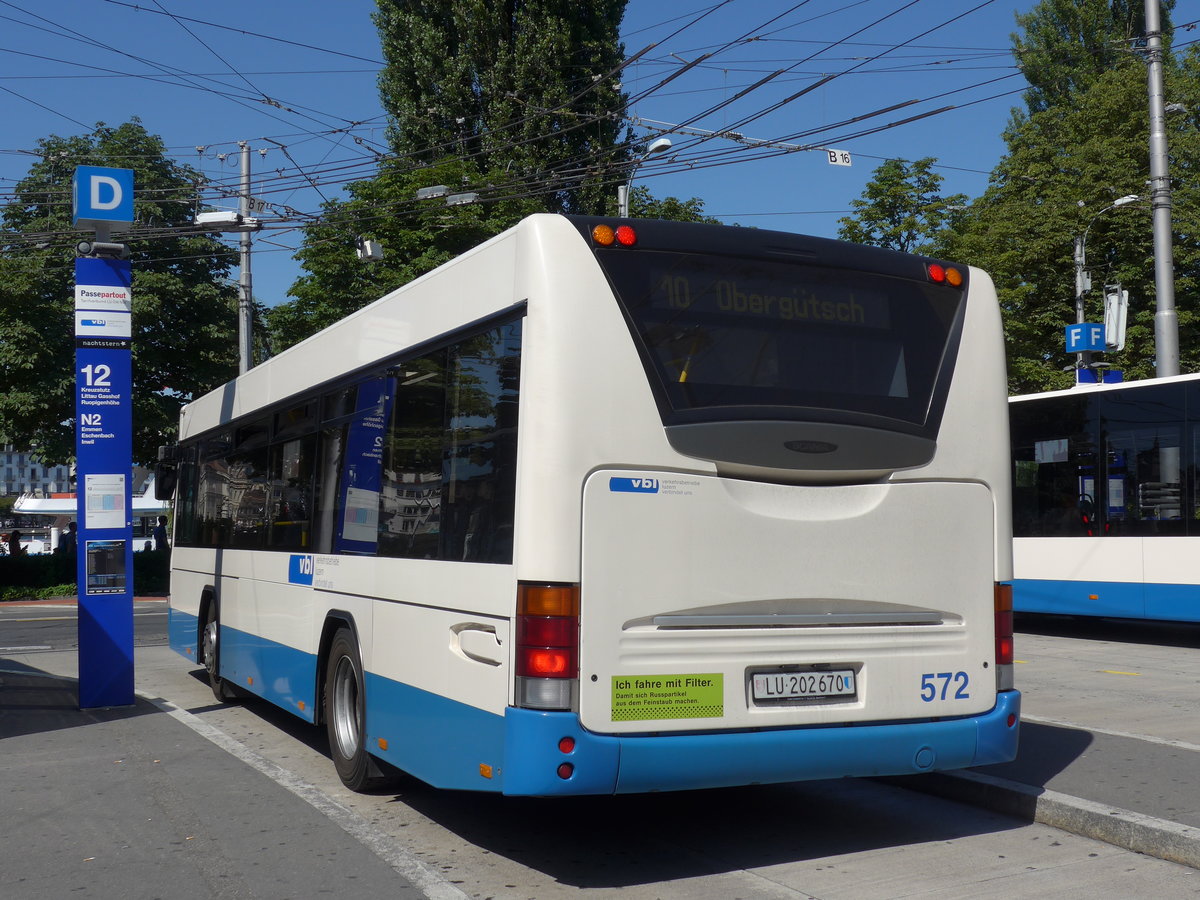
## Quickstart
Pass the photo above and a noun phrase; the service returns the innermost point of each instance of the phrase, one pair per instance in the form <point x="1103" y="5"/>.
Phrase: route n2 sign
<point x="104" y="445"/>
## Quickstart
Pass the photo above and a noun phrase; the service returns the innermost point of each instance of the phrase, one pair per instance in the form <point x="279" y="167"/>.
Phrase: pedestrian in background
<point x="160" y="534"/>
<point x="14" y="544"/>
<point x="69" y="542"/>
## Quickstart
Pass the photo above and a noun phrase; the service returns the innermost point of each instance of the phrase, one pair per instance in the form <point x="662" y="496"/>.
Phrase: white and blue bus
<point x="611" y="506"/>
<point x="1106" y="511"/>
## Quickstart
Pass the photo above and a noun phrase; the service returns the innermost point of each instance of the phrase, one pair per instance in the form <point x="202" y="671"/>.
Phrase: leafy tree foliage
<point x="518" y="86"/>
<point x="514" y="102"/>
<point x="643" y="205"/>
<point x="1068" y="44"/>
<point x="1065" y="165"/>
<point x="184" y="311"/>
<point x="902" y="208"/>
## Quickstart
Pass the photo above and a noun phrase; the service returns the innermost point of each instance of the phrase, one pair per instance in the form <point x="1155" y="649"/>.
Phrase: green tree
<point x="1064" y="166"/>
<point x="902" y="208"/>
<point x="184" y="310"/>
<point x="1068" y="44"/>
<point x="513" y="103"/>
<point x="518" y="88"/>
<point x="644" y="205"/>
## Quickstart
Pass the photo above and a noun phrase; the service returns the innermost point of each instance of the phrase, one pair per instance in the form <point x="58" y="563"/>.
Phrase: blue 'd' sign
<point x="101" y="196"/>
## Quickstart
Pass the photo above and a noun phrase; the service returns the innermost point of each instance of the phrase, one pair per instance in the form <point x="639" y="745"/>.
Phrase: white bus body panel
<point x="699" y="542"/>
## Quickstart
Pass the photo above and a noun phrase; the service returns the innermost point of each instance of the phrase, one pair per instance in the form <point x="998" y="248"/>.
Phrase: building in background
<point x="20" y="474"/>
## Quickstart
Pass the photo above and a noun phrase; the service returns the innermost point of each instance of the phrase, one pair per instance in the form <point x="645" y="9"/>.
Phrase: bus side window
<point x="248" y="478"/>
<point x="214" y="492"/>
<point x="290" y="494"/>
<point x="478" y="508"/>
<point x="410" y="502"/>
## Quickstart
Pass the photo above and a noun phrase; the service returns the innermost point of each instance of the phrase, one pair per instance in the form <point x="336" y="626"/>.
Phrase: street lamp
<point x="1082" y="282"/>
<point x="659" y="145"/>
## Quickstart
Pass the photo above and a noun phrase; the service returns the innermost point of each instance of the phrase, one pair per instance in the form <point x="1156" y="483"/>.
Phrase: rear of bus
<point x="763" y="523"/>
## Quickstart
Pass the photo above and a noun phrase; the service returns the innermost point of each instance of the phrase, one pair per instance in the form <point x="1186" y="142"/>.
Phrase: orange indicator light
<point x="603" y="235"/>
<point x="954" y="277"/>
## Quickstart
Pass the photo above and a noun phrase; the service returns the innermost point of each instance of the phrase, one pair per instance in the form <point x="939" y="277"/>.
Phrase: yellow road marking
<point x="1115" y="672"/>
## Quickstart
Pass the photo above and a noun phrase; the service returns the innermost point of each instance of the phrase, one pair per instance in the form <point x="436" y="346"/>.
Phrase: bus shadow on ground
<point x="1121" y="631"/>
<point x="629" y="840"/>
<point x="623" y="841"/>
<point x="1045" y="751"/>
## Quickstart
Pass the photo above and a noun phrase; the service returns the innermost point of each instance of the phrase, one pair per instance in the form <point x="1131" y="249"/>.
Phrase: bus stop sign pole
<point x="103" y="198"/>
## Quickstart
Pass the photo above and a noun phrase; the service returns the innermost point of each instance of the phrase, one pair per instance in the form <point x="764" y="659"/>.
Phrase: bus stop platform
<point x="128" y="801"/>
<point x="1110" y="738"/>
<point x="1118" y="789"/>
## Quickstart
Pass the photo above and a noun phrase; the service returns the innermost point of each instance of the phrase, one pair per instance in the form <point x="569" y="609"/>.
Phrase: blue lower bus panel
<point x="532" y="753"/>
<point x="1118" y="599"/>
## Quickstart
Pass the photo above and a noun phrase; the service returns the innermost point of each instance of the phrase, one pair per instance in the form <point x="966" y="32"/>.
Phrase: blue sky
<point x="303" y="75"/>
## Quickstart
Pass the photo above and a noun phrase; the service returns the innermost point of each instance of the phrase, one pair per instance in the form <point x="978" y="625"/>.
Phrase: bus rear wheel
<point x="345" y="713"/>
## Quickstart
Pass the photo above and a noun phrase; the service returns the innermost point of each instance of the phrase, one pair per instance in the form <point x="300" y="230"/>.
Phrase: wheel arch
<point x="208" y="599"/>
<point x="335" y="619"/>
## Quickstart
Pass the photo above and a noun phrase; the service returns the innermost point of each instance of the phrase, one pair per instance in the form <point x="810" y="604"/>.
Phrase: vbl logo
<point x="633" y="485"/>
<point x="300" y="569"/>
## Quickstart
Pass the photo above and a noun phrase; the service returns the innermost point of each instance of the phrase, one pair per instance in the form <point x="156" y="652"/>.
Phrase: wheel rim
<point x="210" y="648"/>
<point x="345" y="708"/>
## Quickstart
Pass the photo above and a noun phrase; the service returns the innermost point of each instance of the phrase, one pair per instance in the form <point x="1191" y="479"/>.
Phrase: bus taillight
<point x="547" y="645"/>
<point x="1004" y="636"/>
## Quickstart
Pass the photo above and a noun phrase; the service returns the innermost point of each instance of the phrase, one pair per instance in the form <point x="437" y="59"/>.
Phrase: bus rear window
<point x="736" y="336"/>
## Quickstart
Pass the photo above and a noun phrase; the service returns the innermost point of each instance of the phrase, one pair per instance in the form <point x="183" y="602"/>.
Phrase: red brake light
<point x="936" y="273"/>
<point x="547" y="662"/>
<point x="626" y="236"/>
<point x="548" y="630"/>
<point x="1004" y="625"/>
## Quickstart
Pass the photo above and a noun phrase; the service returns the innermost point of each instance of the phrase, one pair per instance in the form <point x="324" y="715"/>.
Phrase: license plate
<point x="808" y="685"/>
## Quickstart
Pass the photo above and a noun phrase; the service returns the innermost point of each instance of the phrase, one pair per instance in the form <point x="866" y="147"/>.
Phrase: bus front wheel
<point x="210" y="648"/>
<point x="345" y="713"/>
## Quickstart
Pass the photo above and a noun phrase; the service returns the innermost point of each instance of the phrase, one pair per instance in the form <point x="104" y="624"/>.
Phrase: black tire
<point x="210" y="652"/>
<point x="346" y="713"/>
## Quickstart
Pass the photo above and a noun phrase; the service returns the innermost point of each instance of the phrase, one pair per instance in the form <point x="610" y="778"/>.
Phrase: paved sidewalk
<point x="132" y="803"/>
<point x="1110" y="736"/>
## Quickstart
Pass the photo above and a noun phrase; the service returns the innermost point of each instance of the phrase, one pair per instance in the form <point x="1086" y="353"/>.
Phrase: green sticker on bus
<point x="637" y="698"/>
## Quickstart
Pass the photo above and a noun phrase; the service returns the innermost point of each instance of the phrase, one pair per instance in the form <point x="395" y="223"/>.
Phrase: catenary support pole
<point x="1166" y="322"/>
<point x="245" y="310"/>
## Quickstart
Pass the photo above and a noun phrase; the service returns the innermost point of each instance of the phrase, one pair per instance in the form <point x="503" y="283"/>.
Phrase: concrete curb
<point x="1123" y="828"/>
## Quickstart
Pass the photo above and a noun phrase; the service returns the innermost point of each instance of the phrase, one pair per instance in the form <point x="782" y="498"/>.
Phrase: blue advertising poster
<point x="362" y="470"/>
<point x="103" y="452"/>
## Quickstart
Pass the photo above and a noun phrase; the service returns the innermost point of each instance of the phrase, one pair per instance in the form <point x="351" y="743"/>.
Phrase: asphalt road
<point x="54" y="626"/>
<point x="835" y="839"/>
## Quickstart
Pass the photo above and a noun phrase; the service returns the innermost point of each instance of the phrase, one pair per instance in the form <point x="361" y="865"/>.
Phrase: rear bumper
<point x="606" y="764"/>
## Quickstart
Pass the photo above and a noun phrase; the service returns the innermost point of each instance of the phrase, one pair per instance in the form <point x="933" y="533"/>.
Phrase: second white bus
<point x="612" y="506"/>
